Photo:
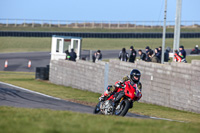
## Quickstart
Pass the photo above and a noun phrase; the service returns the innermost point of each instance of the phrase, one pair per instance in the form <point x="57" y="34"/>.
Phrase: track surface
<point x="19" y="61"/>
<point x="19" y="97"/>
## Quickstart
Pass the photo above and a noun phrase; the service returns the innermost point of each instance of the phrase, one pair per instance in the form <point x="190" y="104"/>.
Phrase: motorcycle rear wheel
<point x="97" y="109"/>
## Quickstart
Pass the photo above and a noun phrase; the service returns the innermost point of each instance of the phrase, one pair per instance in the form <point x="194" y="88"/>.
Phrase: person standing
<point x="182" y="52"/>
<point x="166" y="54"/>
<point x="149" y="58"/>
<point x="123" y="55"/>
<point x="97" y="56"/>
<point x="72" y="55"/>
<point x="67" y="55"/>
<point x="158" y="55"/>
<point x="147" y="49"/>
<point x="132" y="55"/>
<point x="142" y="55"/>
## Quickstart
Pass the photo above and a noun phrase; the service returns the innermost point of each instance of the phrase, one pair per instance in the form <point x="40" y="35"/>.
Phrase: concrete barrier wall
<point x="81" y="74"/>
<point x="175" y="85"/>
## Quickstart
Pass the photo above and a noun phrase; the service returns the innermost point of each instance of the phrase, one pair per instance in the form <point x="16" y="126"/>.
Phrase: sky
<point x="98" y="10"/>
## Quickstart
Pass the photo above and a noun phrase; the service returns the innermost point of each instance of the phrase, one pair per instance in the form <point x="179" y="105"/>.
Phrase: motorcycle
<point x="195" y="51"/>
<point x="124" y="98"/>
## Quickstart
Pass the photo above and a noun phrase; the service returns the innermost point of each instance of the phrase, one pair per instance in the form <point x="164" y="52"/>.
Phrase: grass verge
<point x="26" y="80"/>
<point x="20" y="120"/>
<point x="28" y="44"/>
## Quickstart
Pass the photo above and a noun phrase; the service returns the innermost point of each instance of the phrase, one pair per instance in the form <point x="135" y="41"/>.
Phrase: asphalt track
<point x="19" y="61"/>
<point x="19" y="97"/>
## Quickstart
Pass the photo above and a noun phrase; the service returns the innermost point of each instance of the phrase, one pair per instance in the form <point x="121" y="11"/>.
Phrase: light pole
<point x="164" y="33"/>
<point x="177" y="27"/>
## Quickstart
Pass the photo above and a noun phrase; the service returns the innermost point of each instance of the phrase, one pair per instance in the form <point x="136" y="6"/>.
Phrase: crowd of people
<point x="154" y="55"/>
<point x="148" y="55"/>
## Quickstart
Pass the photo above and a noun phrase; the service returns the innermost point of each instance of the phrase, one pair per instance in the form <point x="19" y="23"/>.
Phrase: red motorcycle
<point x="125" y="93"/>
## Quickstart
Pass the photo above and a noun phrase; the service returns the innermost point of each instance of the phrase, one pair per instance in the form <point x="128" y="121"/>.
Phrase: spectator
<point x="182" y="52"/>
<point x="166" y="54"/>
<point x="132" y="55"/>
<point x="142" y="55"/>
<point x="149" y="54"/>
<point x="147" y="49"/>
<point x="177" y="58"/>
<point x="67" y="55"/>
<point x="123" y="55"/>
<point x="158" y="54"/>
<point x="154" y="57"/>
<point x="160" y="50"/>
<point x="72" y="55"/>
<point x="97" y="56"/>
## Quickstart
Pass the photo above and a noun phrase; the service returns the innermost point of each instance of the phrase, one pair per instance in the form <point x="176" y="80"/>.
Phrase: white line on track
<point x="29" y="90"/>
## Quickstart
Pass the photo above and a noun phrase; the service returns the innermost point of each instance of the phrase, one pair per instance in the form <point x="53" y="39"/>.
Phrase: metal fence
<point x="92" y="24"/>
<point x="95" y="35"/>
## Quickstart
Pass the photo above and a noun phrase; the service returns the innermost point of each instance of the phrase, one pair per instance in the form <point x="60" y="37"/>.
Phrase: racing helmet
<point x="135" y="73"/>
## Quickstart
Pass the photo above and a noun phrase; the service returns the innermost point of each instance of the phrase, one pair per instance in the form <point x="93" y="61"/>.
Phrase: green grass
<point x="26" y="80"/>
<point x="19" y="120"/>
<point x="190" y="58"/>
<point x="28" y="44"/>
<point x="24" y="44"/>
<point x="64" y="29"/>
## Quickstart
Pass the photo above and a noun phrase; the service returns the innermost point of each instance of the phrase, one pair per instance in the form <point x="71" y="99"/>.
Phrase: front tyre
<point x="123" y="108"/>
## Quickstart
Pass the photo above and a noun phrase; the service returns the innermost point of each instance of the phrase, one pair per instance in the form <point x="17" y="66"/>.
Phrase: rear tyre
<point x="97" y="109"/>
<point x="123" y="109"/>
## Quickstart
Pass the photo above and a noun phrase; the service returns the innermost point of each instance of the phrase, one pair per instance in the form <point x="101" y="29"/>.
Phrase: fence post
<point x="90" y="55"/>
<point x="58" y="23"/>
<point x="33" y="24"/>
<point x="143" y="25"/>
<point x="127" y="25"/>
<point x="24" y="22"/>
<point x="50" y="24"/>
<point x="84" y="25"/>
<point x="135" y="25"/>
<point x="15" y="22"/>
<point x="118" y="25"/>
<point x="66" y="24"/>
<point x="42" y="24"/>
<point x="106" y="72"/>
<point x="169" y="24"/>
<point x="93" y="25"/>
<point x="6" y="22"/>
<point x="109" y="25"/>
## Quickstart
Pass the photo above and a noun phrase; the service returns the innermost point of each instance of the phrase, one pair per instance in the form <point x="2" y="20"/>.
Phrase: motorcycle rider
<point x="134" y="81"/>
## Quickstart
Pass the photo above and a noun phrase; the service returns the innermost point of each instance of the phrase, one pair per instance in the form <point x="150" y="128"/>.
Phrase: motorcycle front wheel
<point x="123" y="109"/>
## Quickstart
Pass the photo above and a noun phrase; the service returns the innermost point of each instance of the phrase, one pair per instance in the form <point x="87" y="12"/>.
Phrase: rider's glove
<point x="101" y="98"/>
<point x="118" y="85"/>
